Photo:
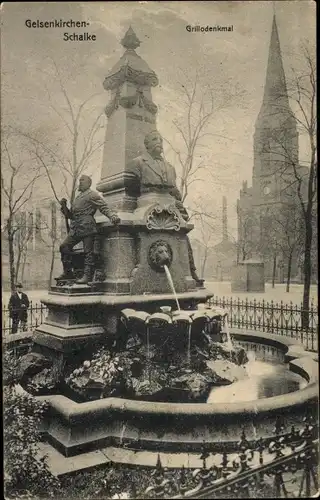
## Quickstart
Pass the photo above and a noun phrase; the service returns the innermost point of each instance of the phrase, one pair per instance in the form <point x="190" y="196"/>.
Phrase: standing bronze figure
<point x="83" y="228"/>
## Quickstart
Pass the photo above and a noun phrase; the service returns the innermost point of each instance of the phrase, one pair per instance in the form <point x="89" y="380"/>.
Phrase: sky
<point x="232" y="63"/>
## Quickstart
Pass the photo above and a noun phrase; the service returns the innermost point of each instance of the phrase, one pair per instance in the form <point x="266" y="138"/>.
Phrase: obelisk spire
<point x="131" y="115"/>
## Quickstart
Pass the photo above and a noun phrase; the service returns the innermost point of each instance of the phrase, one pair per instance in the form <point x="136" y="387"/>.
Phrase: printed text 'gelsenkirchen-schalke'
<point x="60" y="23"/>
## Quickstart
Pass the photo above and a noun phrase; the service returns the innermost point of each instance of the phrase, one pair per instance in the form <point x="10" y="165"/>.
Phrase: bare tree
<point x="281" y="236"/>
<point x="80" y="125"/>
<point x="190" y="145"/>
<point x="206" y="241"/>
<point x="18" y="177"/>
<point x="247" y="244"/>
<point x="300" y="175"/>
<point x="290" y="242"/>
<point x="49" y="237"/>
<point x="23" y="236"/>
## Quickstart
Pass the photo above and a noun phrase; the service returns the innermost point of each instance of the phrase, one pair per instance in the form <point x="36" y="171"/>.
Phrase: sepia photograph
<point x="159" y="246"/>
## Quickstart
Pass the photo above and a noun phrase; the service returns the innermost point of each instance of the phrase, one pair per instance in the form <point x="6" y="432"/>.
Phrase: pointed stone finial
<point x="130" y="40"/>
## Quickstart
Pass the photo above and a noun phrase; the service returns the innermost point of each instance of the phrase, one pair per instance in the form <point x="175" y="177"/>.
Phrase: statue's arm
<point x="175" y="192"/>
<point x="104" y="208"/>
<point x="65" y="210"/>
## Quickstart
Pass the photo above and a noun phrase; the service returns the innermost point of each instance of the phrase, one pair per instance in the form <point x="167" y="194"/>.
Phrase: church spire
<point x="275" y="109"/>
<point x="275" y="85"/>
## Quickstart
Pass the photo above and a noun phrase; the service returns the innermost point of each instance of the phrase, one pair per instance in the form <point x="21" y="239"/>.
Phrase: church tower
<point x="275" y="146"/>
<point x="276" y="136"/>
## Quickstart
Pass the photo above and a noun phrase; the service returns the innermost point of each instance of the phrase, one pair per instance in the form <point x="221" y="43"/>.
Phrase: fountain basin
<point x="74" y="428"/>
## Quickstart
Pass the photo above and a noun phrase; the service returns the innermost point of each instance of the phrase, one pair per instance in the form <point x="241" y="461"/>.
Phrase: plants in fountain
<point x="165" y="356"/>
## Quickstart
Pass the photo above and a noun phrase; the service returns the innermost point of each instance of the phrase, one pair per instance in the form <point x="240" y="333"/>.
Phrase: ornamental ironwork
<point x="283" y="467"/>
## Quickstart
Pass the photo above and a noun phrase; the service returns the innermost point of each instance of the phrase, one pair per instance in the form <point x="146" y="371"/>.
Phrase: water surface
<point x="265" y="380"/>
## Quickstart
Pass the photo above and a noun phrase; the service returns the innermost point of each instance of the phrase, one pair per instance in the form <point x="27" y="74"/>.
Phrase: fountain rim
<point x="303" y="363"/>
<point x="71" y="410"/>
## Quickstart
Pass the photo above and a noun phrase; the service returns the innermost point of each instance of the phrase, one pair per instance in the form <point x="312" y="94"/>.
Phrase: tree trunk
<point x="306" y="272"/>
<point x="52" y="264"/>
<point x="289" y="272"/>
<point x="244" y="254"/>
<point x="274" y="269"/>
<point x="203" y="267"/>
<point x="11" y="256"/>
<point x="24" y="263"/>
<point x="19" y="250"/>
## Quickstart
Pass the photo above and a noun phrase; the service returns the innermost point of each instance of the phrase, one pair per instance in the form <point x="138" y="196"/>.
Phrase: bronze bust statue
<point x="152" y="173"/>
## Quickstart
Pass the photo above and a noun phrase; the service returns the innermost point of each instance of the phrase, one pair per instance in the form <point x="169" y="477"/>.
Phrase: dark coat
<point x="16" y="310"/>
<point x="82" y="213"/>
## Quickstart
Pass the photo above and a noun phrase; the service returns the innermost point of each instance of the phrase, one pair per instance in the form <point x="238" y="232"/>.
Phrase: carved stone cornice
<point x="130" y="101"/>
<point x="128" y="74"/>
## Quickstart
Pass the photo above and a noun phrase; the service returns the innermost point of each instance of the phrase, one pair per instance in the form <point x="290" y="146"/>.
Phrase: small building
<point x="248" y="276"/>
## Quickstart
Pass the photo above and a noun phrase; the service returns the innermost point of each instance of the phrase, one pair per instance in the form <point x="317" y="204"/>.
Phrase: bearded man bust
<point x="153" y="174"/>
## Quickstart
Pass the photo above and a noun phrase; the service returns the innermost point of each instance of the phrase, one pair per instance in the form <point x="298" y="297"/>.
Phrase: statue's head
<point x="153" y="144"/>
<point x="84" y="183"/>
<point x="160" y="254"/>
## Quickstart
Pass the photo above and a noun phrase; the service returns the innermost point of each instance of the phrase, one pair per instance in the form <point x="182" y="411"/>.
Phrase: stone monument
<point x="153" y="228"/>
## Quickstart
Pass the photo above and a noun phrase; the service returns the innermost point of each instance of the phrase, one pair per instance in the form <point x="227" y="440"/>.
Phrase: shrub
<point x="26" y="475"/>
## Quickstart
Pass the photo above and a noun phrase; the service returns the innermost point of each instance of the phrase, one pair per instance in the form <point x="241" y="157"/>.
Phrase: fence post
<point x="281" y="317"/>
<point x="312" y="328"/>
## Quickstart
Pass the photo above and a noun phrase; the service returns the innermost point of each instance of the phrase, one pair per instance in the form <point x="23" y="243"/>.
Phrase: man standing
<point x="154" y="174"/>
<point x="18" y="308"/>
<point x="83" y="228"/>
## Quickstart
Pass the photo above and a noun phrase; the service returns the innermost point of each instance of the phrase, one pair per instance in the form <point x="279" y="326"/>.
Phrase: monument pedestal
<point x="133" y="258"/>
<point x="79" y="322"/>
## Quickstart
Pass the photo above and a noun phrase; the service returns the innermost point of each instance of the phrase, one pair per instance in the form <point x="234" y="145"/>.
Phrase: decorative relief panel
<point x="163" y="218"/>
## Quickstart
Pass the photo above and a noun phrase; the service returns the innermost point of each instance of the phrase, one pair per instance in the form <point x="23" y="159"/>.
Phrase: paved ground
<point x="221" y="289"/>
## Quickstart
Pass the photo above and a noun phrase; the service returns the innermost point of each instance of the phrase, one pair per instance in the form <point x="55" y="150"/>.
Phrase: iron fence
<point x="273" y="317"/>
<point x="283" y="466"/>
<point x="36" y="315"/>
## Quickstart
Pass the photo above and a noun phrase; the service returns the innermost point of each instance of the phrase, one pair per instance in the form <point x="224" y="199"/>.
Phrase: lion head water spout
<point x="170" y="281"/>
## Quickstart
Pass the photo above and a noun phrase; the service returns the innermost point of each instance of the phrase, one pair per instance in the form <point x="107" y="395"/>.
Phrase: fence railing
<point x="272" y="317"/>
<point x="284" y="466"/>
<point x="280" y="318"/>
<point x="36" y="314"/>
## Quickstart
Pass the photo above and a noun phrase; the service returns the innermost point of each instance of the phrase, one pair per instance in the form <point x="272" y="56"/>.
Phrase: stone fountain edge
<point x="75" y="428"/>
